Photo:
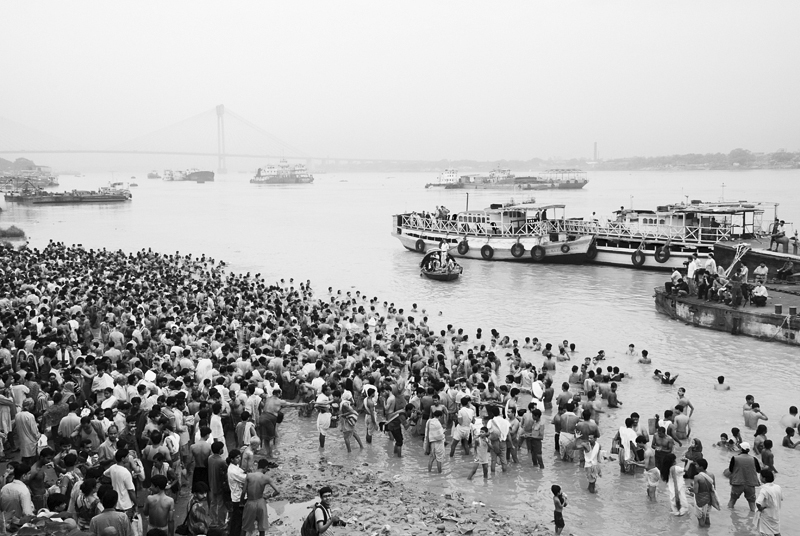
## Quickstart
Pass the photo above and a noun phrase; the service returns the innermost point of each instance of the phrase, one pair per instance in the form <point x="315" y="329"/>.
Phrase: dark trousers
<point x="235" y="527"/>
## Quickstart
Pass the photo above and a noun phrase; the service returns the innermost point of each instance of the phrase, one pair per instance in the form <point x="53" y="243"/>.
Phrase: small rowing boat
<point x="439" y="265"/>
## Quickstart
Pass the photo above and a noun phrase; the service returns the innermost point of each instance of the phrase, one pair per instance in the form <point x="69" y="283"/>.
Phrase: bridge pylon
<point x="221" y="167"/>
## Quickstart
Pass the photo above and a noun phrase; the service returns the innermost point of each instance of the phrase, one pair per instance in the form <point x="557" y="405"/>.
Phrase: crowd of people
<point x="132" y="379"/>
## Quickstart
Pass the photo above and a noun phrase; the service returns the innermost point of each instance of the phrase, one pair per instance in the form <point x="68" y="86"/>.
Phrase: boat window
<point x="661" y="221"/>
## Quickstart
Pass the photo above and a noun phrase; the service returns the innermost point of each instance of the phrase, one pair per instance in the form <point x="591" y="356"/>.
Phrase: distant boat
<point x="283" y="174"/>
<point x="40" y="197"/>
<point x="133" y="185"/>
<point x="192" y="174"/>
<point x="153" y="175"/>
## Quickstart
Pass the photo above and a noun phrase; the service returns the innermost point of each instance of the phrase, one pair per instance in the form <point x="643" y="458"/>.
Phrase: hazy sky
<point x="427" y="80"/>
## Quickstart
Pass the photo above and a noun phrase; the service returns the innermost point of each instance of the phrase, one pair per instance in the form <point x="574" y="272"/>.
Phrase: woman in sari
<point x="692" y="456"/>
<point x="672" y="474"/>
<point x="705" y="493"/>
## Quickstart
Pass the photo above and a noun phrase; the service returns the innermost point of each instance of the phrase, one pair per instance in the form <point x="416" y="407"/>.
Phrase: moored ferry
<point x="507" y="232"/>
<point x="669" y="236"/>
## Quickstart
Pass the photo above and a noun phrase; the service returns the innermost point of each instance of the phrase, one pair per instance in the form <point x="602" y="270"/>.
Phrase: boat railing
<point x="489" y="229"/>
<point x="690" y="234"/>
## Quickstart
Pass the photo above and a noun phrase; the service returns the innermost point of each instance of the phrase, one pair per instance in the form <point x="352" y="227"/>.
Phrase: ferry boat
<point x="524" y="232"/>
<point x="40" y="197"/>
<point x="192" y="174"/>
<point x="665" y="238"/>
<point x="283" y="174"/>
<point x="153" y="175"/>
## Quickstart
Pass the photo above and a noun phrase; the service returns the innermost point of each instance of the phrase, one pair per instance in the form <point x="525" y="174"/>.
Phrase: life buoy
<point x="463" y="247"/>
<point x="565" y="248"/>
<point x="637" y="258"/>
<point x="538" y="253"/>
<point x="487" y="252"/>
<point x="420" y="246"/>
<point x="591" y="253"/>
<point x="517" y="250"/>
<point x="662" y="254"/>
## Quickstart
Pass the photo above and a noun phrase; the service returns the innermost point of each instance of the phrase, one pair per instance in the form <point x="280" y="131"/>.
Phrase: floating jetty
<point x="777" y="321"/>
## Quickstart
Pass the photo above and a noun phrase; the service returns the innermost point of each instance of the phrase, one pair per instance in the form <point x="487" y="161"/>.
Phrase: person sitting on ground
<point x="759" y="295"/>
<point x="682" y="288"/>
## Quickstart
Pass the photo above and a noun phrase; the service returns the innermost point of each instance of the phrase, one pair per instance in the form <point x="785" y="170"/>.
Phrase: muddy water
<point x="337" y="234"/>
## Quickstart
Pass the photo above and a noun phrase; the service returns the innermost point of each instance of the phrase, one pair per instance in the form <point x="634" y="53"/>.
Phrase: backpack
<point x="309" y="527"/>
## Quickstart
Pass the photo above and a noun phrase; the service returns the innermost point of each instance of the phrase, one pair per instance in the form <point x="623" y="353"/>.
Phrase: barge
<point x="778" y="321"/>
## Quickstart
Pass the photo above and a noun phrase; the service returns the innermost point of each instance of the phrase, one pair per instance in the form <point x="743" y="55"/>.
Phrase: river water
<point x="336" y="232"/>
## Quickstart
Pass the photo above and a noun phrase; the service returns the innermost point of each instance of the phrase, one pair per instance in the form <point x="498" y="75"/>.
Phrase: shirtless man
<point x="268" y="421"/>
<point x="753" y="415"/>
<point x="790" y="420"/>
<point x="568" y="421"/>
<point x="645" y="359"/>
<point x="160" y="508"/>
<point x="681" y="423"/>
<point x="249" y="454"/>
<point x="684" y="402"/>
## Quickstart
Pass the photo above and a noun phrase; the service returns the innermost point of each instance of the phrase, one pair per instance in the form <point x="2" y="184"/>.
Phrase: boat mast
<point x="467" y="209"/>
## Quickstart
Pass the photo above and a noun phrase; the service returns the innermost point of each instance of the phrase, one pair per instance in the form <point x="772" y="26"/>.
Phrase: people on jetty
<point x="141" y="370"/>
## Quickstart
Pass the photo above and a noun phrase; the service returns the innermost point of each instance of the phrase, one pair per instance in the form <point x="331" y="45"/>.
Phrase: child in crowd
<point x="559" y="502"/>
<point x="481" y="454"/>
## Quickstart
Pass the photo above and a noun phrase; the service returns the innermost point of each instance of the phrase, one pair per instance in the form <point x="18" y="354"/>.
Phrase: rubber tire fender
<point x="662" y="254"/>
<point x="538" y="253"/>
<point x="463" y="247"/>
<point x="420" y="246"/>
<point x="487" y="252"/>
<point x="564" y="248"/>
<point x="517" y="250"/>
<point x="591" y="253"/>
<point x="638" y="258"/>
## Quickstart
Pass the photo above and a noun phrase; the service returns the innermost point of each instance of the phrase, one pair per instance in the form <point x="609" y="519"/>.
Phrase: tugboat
<point x="283" y="174"/>
<point x="439" y="265"/>
<point x="524" y="232"/>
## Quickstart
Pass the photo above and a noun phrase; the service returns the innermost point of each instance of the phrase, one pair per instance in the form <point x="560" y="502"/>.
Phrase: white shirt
<point x="236" y="478"/>
<point x="502" y="425"/>
<point x="121" y="481"/>
<point x="317" y="383"/>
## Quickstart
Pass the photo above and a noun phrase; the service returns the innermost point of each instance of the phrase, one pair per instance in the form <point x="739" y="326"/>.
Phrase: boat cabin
<point x="506" y="219"/>
<point x="695" y="221"/>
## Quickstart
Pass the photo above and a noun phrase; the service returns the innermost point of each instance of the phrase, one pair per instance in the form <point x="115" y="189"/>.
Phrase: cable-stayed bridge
<point x="217" y="132"/>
